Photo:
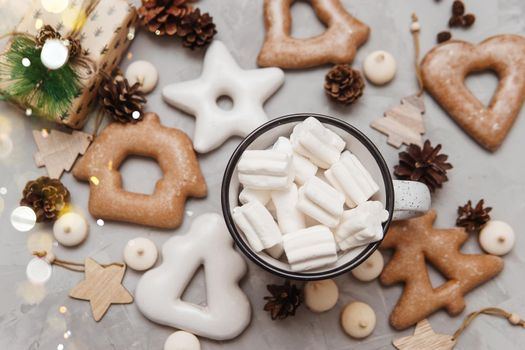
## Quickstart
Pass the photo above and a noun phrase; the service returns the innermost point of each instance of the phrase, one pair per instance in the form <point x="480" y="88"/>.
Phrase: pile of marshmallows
<point x="305" y="182"/>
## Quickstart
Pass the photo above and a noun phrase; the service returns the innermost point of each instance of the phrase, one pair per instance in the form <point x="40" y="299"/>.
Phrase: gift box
<point x="104" y="29"/>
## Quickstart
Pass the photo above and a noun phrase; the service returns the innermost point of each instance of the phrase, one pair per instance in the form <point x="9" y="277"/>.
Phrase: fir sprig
<point x="49" y="93"/>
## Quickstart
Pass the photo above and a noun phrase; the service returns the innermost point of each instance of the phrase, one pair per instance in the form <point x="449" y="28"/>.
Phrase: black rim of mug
<point x="237" y="236"/>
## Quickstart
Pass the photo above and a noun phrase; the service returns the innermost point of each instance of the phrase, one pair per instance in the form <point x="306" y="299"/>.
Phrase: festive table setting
<point x="270" y="174"/>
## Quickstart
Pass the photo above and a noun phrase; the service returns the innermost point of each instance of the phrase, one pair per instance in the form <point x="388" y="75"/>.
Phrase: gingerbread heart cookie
<point x="444" y="70"/>
<point x="171" y="148"/>
<point x="338" y="44"/>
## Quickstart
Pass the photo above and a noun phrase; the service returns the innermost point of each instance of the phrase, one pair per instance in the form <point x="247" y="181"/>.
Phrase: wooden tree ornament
<point x="403" y="123"/>
<point x="416" y="242"/>
<point x="58" y="151"/>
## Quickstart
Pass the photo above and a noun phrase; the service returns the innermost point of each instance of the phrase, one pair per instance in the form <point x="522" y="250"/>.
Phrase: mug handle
<point x="412" y="199"/>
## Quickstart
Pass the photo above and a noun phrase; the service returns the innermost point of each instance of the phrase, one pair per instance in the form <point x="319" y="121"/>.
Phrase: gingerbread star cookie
<point x="445" y="68"/>
<point x="338" y="44"/>
<point x="173" y="151"/>
<point x="417" y="243"/>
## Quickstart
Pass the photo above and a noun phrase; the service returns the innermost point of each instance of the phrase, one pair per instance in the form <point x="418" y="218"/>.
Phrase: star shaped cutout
<point x="102" y="287"/>
<point x="221" y="76"/>
<point x="424" y="338"/>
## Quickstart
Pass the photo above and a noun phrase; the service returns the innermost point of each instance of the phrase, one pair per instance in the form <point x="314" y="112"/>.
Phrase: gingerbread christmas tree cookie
<point x="171" y="148"/>
<point x="417" y="243"/>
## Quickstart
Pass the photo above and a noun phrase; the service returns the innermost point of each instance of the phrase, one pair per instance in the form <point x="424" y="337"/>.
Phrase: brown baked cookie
<point x="444" y="70"/>
<point x="338" y="44"/>
<point x="417" y="243"/>
<point x="171" y="148"/>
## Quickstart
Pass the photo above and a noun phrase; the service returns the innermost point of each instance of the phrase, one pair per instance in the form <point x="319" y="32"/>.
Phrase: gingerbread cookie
<point x="338" y="44"/>
<point x="416" y="243"/>
<point x="171" y="148"/>
<point x="444" y="70"/>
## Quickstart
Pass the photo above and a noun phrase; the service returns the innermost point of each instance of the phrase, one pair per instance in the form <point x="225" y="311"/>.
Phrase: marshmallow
<point x="320" y="145"/>
<point x="303" y="168"/>
<point x="361" y="225"/>
<point x="321" y="202"/>
<point x="310" y="248"/>
<point x="350" y="177"/>
<point x="265" y="170"/>
<point x="250" y="195"/>
<point x="258" y="226"/>
<point x="276" y="251"/>
<point x="289" y="218"/>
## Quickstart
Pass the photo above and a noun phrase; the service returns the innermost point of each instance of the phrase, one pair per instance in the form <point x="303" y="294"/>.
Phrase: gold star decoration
<point x="424" y="338"/>
<point x="102" y="287"/>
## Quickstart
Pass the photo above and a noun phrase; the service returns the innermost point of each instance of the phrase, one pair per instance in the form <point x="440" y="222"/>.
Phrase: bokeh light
<point x="55" y="6"/>
<point x="30" y="293"/>
<point x="6" y="146"/>
<point x="38" y="271"/>
<point x="74" y="18"/>
<point x="40" y="241"/>
<point x="23" y="219"/>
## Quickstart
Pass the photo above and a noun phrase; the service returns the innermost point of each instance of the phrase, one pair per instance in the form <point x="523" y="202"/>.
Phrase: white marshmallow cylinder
<point x="303" y="168"/>
<point x="361" y="225"/>
<point x="319" y="144"/>
<point x="289" y="218"/>
<point x="265" y="170"/>
<point x="350" y="177"/>
<point x="321" y="202"/>
<point x="310" y="248"/>
<point x="258" y="225"/>
<point x="250" y="195"/>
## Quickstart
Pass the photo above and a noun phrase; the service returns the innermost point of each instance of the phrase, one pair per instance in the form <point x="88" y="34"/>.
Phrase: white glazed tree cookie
<point x="159" y="291"/>
<point x="221" y="76"/>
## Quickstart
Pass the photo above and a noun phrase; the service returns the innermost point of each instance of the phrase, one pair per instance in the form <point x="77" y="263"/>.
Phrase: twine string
<point x="513" y="318"/>
<point x="70" y="265"/>
<point x="417" y="49"/>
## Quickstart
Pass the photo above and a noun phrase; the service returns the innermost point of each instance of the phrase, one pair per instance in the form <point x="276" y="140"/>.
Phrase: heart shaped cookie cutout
<point x="444" y="71"/>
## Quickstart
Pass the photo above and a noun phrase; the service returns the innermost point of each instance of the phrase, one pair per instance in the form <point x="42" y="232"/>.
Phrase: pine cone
<point x="473" y="219"/>
<point x="344" y="84"/>
<point x="47" y="32"/>
<point x="163" y="17"/>
<point x="284" y="301"/>
<point x="47" y="197"/>
<point x="196" y="30"/>
<point x="424" y="165"/>
<point x="121" y="100"/>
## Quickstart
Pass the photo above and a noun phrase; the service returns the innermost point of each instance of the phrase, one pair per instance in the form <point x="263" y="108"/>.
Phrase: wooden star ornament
<point x="102" y="287"/>
<point x="424" y="338"/>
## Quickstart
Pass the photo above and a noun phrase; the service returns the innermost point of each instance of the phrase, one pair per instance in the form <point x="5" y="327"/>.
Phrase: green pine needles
<point x="49" y="93"/>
